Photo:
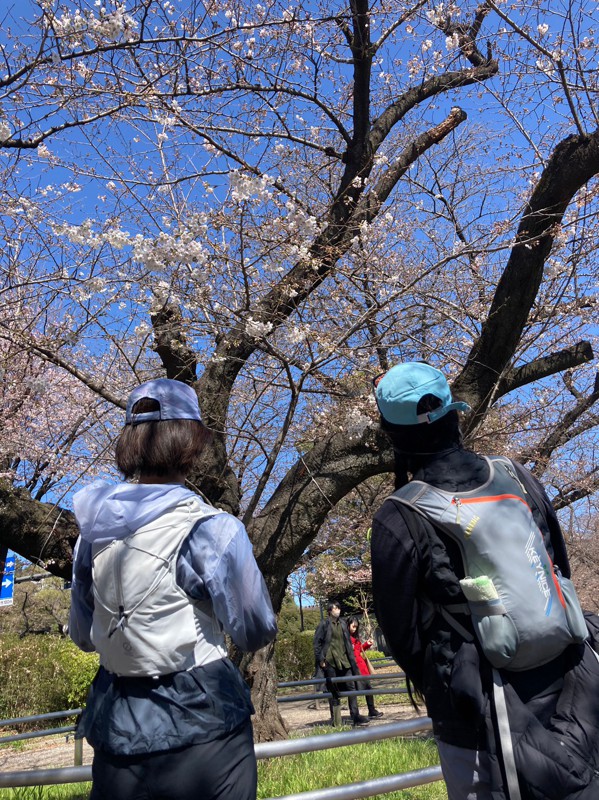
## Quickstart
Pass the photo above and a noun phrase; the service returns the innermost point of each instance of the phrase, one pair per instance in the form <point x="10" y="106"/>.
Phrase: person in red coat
<point x="359" y="648"/>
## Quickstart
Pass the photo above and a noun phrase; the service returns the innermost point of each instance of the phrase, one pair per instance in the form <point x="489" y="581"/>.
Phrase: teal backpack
<point x="524" y="612"/>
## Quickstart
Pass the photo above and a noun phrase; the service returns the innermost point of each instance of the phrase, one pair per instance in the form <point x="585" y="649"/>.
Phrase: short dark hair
<point x="159" y="447"/>
<point x="333" y="604"/>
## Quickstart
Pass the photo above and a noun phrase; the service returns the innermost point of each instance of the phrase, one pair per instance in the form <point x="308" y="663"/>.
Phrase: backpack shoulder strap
<point x="412" y="493"/>
<point x="529" y="490"/>
<point x="408" y="496"/>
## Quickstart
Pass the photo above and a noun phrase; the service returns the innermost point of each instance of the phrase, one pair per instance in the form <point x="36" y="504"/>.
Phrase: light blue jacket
<point x="215" y="563"/>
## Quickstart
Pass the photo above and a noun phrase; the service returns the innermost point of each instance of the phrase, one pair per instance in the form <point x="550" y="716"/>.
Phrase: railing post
<point x="78" y="752"/>
<point x="337" y="715"/>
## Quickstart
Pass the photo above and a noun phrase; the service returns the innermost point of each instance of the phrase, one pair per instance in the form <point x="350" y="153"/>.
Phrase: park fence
<point x="382" y="684"/>
<point x="377" y="786"/>
<point x="353" y="791"/>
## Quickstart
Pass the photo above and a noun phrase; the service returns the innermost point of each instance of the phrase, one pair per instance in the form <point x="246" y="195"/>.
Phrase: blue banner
<point x="7" y="576"/>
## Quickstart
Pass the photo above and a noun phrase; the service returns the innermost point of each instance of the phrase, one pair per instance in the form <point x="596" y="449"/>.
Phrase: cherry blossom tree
<point x="273" y="203"/>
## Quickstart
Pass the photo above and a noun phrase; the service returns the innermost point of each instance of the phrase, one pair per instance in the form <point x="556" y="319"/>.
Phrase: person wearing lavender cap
<point x="159" y="578"/>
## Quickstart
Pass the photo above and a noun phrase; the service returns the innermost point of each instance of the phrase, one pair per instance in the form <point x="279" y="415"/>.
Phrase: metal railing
<point x="370" y="788"/>
<point x="17" y="737"/>
<point x="376" y="786"/>
<point x="320" y="695"/>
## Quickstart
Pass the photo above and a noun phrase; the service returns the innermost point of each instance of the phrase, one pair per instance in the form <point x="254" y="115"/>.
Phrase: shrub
<point x="295" y="656"/>
<point x="39" y="674"/>
<point x="79" y="670"/>
<point x="373" y="655"/>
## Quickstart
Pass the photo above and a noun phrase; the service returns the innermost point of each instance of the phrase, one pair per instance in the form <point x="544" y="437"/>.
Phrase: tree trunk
<point x="40" y="532"/>
<point x="259" y="670"/>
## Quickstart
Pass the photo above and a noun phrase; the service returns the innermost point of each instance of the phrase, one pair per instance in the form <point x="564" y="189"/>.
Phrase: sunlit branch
<point x="543" y="367"/>
<point x="371" y="203"/>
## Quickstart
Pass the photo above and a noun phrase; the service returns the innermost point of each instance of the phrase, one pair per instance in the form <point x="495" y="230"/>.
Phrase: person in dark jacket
<point x="334" y="654"/>
<point x="416" y="568"/>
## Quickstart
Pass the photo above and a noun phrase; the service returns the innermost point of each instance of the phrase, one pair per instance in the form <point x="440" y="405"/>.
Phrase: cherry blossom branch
<point x="52" y="356"/>
<point x="557" y="61"/>
<point x="371" y="203"/>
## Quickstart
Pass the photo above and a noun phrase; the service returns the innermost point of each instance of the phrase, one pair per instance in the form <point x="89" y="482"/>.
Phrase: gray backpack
<point x="524" y="612"/>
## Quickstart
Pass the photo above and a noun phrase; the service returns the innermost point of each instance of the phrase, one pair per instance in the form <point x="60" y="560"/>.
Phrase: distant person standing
<point x="334" y="654"/>
<point x="353" y="625"/>
<point x="159" y="577"/>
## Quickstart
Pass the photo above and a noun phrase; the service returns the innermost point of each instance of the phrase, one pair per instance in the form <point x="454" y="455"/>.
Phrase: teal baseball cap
<point x="398" y="392"/>
<point x="177" y="400"/>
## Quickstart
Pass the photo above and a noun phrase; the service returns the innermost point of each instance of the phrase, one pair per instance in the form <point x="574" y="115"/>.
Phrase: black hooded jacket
<point x="416" y="566"/>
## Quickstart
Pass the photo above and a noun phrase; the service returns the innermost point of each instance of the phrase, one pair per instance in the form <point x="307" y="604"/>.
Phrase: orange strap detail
<point x="493" y="499"/>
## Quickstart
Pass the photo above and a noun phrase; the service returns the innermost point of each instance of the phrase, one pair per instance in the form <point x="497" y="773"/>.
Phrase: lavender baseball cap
<point x="177" y="401"/>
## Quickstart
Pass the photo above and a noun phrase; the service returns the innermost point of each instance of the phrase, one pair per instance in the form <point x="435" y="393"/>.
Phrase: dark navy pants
<point x="223" y="768"/>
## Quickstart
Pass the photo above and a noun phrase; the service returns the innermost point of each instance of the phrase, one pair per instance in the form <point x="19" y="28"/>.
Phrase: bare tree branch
<point x="572" y="164"/>
<point x="569" y="358"/>
<point x="562" y="432"/>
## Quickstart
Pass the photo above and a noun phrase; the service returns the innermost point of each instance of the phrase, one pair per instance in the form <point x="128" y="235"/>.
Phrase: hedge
<point x="39" y="674"/>
<point x="294" y="655"/>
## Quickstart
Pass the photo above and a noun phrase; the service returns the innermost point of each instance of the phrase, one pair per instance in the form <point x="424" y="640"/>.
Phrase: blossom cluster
<point x="108" y="25"/>
<point x="441" y="12"/>
<point x="247" y="187"/>
<point x="181" y="247"/>
<point x="256" y="329"/>
<point x="355" y="422"/>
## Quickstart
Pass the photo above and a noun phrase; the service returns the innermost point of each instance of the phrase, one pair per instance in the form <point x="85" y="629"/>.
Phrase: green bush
<point x="373" y="655"/>
<point x="39" y="674"/>
<point x="295" y="656"/>
<point x="79" y="669"/>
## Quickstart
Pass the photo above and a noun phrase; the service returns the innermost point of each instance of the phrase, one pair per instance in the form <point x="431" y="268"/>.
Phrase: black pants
<point x="342" y="686"/>
<point x="369" y="697"/>
<point x="224" y="769"/>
